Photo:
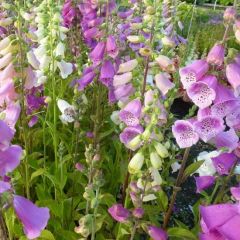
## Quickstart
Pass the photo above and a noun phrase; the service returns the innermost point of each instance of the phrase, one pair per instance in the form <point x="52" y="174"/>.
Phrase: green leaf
<point x="163" y="200"/>
<point x="107" y="199"/>
<point x="37" y="173"/>
<point x="181" y="233"/>
<point x="46" y="235"/>
<point x="192" y="168"/>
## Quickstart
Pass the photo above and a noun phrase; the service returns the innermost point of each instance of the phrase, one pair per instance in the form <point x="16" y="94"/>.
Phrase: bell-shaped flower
<point x="67" y="110"/>
<point x="6" y="135"/>
<point x="136" y="163"/>
<point x="131" y="113"/>
<point x="228" y="139"/>
<point x="33" y="218"/>
<point x="97" y="53"/>
<point x="161" y="150"/>
<point x="209" y="127"/>
<point x="7" y="72"/>
<point x="225" y="102"/>
<point x="235" y="191"/>
<point x="119" y="213"/>
<point x="87" y="78"/>
<point x="107" y="73"/>
<point x="4" y="43"/>
<point x="156" y="161"/>
<point x="12" y="113"/>
<point x="233" y="119"/>
<point x="204" y="182"/>
<point x="193" y="72"/>
<point x="184" y="133"/>
<point x="203" y="112"/>
<point x="157" y="233"/>
<point x="5" y="60"/>
<point x="127" y="66"/>
<point x="123" y="92"/>
<point x="4" y="186"/>
<point x="224" y="162"/>
<point x="165" y="63"/>
<point x="207" y="168"/>
<point x="65" y="68"/>
<point x="163" y="83"/>
<point x="9" y="159"/>
<point x="122" y="79"/>
<point x="202" y="93"/>
<point x="233" y="76"/>
<point x="7" y="91"/>
<point x="111" y="47"/>
<point x="33" y="60"/>
<point x="216" y="55"/>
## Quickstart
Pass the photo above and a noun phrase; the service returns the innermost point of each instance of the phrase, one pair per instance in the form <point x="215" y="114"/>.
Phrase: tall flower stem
<point x="176" y="188"/>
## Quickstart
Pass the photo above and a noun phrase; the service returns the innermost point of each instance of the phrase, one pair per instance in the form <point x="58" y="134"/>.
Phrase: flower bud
<point x="136" y="163"/>
<point x="229" y="14"/>
<point x="150" y="10"/>
<point x="134" y="39"/>
<point x="146" y="134"/>
<point x="167" y="41"/>
<point x="156" y="161"/>
<point x="48" y="99"/>
<point x="138" y="212"/>
<point x="135" y="142"/>
<point x="165" y="63"/>
<point x="133" y="186"/>
<point x="161" y="150"/>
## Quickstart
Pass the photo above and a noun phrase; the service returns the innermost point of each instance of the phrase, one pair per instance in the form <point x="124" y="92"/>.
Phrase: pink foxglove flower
<point x="224" y="162"/>
<point x="233" y="119"/>
<point x="131" y="113"/>
<point x="204" y="182"/>
<point x="216" y="55"/>
<point x="233" y="76"/>
<point x="184" y="133"/>
<point x="202" y="93"/>
<point x="193" y="72"/>
<point x="157" y="233"/>
<point x="163" y="82"/>
<point x="128" y="66"/>
<point x="209" y="127"/>
<point x="122" y="79"/>
<point x="5" y="136"/>
<point x="235" y="191"/>
<point x="33" y="218"/>
<point x="119" y="213"/>
<point x="123" y="92"/>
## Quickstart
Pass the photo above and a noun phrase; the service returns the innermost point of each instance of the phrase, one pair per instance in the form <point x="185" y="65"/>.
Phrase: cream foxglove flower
<point x="67" y="110"/>
<point x="65" y="68"/>
<point x="207" y="168"/>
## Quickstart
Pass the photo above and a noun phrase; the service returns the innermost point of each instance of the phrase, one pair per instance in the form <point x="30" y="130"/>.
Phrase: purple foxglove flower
<point x="203" y="112"/>
<point x="235" y="191"/>
<point x="86" y="79"/>
<point x="79" y="167"/>
<point x="225" y="102"/>
<point x="204" y="182"/>
<point x="164" y="83"/>
<point x="111" y="47"/>
<point x="124" y="91"/>
<point x="10" y="159"/>
<point x="122" y="79"/>
<point x="33" y="218"/>
<point x="131" y="113"/>
<point x="6" y="135"/>
<point x="202" y="93"/>
<point x="138" y="212"/>
<point x="4" y="186"/>
<point x="107" y="73"/>
<point x="119" y="213"/>
<point x="209" y="127"/>
<point x="125" y="14"/>
<point x="216" y="55"/>
<point x="97" y="53"/>
<point x="233" y="119"/>
<point x="224" y="162"/>
<point x="128" y="134"/>
<point x="33" y="121"/>
<point x="92" y="33"/>
<point x="233" y="76"/>
<point x="193" y="72"/>
<point x="157" y="233"/>
<point x="184" y="133"/>
<point x="228" y="139"/>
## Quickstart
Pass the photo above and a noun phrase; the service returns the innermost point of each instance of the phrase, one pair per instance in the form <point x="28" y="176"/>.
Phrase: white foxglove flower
<point x="32" y="60"/>
<point x="67" y="110"/>
<point x="175" y="167"/>
<point x="207" y="168"/>
<point x="136" y="163"/>
<point x="115" y="117"/>
<point x="65" y="68"/>
<point x="59" y="51"/>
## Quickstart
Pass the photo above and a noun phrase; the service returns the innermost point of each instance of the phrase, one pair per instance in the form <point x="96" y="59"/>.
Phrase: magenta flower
<point x="5" y="136"/>
<point x="111" y="47"/>
<point x="157" y="233"/>
<point x="97" y="53"/>
<point x="228" y="139"/>
<point x="229" y="14"/>
<point x="119" y="213"/>
<point x="138" y="212"/>
<point x="193" y="72"/>
<point x="235" y="191"/>
<point x="131" y="113"/>
<point x="225" y="102"/>
<point x="202" y="93"/>
<point x="128" y="134"/>
<point x="233" y="76"/>
<point x="233" y="119"/>
<point x="203" y="112"/>
<point x="4" y="186"/>
<point x="33" y="218"/>
<point x="107" y="73"/>
<point x="10" y="159"/>
<point x="209" y="127"/>
<point x="216" y="55"/>
<point x="224" y="162"/>
<point x="220" y="220"/>
<point x="204" y="182"/>
<point x="184" y="133"/>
